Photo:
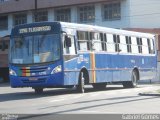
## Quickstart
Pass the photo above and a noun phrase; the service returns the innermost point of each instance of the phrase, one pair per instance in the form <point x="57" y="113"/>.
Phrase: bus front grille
<point x="28" y="71"/>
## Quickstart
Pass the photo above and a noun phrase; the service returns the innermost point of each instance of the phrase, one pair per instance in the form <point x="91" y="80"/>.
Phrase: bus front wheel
<point x="38" y="90"/>
<point x="133" y="82"/>
<point x="80" y="87"/>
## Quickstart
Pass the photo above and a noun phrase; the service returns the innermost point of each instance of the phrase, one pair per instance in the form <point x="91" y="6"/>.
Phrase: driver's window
<point x="69" y="50"/>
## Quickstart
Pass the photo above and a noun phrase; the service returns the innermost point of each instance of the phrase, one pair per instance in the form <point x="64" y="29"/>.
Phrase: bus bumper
<point x="41" y="81"/>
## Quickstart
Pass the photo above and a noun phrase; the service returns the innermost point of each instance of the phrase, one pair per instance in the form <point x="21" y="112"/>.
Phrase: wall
<point x="122" y="23"/>
<point x="144" y="13"/>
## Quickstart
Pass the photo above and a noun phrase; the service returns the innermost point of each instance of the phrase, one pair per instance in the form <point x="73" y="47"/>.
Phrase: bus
<point x="4" y="69"/>
<point x="61" y="54"/>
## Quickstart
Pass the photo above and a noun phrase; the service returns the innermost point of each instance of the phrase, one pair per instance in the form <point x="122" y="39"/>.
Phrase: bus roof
<point x="95" y="28"/>
<point x="92" y="28"/>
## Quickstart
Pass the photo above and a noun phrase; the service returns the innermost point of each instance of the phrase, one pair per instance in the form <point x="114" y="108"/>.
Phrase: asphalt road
<point x="113" y="100"/>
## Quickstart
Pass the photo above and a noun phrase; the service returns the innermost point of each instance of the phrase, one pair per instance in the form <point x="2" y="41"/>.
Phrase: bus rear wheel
<point x="38" y="90"/>
<point x="134" y="81"/>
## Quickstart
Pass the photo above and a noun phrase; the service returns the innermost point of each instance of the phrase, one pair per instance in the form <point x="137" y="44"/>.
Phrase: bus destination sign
<point x="35" y="29"/>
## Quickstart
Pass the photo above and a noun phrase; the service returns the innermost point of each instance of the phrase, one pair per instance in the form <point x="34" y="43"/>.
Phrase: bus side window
<point x="129" y="43"/>
<point x="122" y="45"/>
<point x="103" y="38"/>
<point x="152" y="46"/>
<point x="96" y="42"/>
<point x="134" y="46"/>
<point x="110" y="43"/>
<point x="139" y="43"/>
<point x="116" y="39"/>
<point x="83" y="41"/>
<point x="149" y="45"/>
<point x="70" y="50"/>
<point x="145" y="46"/>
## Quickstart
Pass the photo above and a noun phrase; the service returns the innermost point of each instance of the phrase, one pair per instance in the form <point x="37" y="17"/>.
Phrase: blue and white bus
<point x="59" y="54"/>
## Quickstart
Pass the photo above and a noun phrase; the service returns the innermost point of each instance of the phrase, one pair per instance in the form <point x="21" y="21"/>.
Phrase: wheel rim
<point x="134" y="79"/>
<point x="81" y="84"/>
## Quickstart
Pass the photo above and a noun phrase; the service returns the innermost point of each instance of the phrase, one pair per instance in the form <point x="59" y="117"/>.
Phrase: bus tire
<point x="38" y="90"/>
<point x="81" y="83"/>
<point x="99" y="86"/>
<point x="134" y="81"/>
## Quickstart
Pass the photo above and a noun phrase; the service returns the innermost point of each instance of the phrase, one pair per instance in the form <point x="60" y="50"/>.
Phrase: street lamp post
<point x="35" y="7"/>
<point x="35" y="3"/>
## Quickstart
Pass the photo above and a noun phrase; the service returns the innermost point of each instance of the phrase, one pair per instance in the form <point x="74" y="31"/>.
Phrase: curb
<point x="150" y="94"/>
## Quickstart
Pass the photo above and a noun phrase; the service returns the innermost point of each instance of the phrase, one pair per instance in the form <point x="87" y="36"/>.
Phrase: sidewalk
<point x="4" y="84"/>
<point x="151" y="93"/>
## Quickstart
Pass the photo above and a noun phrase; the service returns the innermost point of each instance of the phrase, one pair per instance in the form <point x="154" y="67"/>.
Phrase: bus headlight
<point x="12" y="72"/>
<point x="57" y="69"/>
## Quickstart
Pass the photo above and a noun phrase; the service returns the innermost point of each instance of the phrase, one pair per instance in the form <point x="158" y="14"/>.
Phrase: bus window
<point x="139" y="43"/>
<point x="96" y="42"/>
<point x="122" y="45"/>
<point x="103" y="38"/>
<point x="128" y="42"/>
<point x="83" y="41"/>
<point x="149" y="45"/>
<point x="70" y="50"/>
<point x="152" y="46"/>
<point x="145" y="46"/>
<point x="110" y="43"/>
<point x="116" y="40"/>
<point x="134" y="46"/>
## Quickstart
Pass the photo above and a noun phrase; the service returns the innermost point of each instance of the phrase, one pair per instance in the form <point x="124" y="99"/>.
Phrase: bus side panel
<point x="125" y="67"/>
<point x="71" y="72"/>
<point x="112" y="68"/>
<point x="103" y="65"/>
<point x="117" y="67"/>
<point x="148" y="67"/>
<point x="116" y="61"/>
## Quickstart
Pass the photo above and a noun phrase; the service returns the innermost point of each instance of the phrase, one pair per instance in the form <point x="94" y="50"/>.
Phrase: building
<point x="110" y="13"/>
<point x="121" y="14"/>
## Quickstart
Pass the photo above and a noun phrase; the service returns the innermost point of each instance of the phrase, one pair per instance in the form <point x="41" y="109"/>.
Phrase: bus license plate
<point x="33" y="79"/>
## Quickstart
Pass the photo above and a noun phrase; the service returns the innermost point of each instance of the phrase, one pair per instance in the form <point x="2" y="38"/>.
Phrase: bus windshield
<point x="35" y="49"/>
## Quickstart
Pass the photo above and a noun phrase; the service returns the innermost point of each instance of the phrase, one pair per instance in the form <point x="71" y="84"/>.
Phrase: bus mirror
<point x="67" y="41"/>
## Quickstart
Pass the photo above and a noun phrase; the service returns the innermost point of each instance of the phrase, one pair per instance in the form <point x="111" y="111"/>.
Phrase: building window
<point x="86" y="14"/>
<point x="20" y="19"/>
<point x="3" y="22"/>
<point x="112" y="11"/>
<point x="63" y="15"/>
<point x="40" y="16"/>
<point x="1" y="1"/>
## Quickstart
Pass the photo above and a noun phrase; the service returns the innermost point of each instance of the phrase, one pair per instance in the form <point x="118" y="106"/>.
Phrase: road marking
<point x="96" y="111"/>
<point x="58" y="100"/>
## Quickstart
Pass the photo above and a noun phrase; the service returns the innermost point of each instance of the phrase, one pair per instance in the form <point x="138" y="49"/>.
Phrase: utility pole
<point x="35" y="7"/>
